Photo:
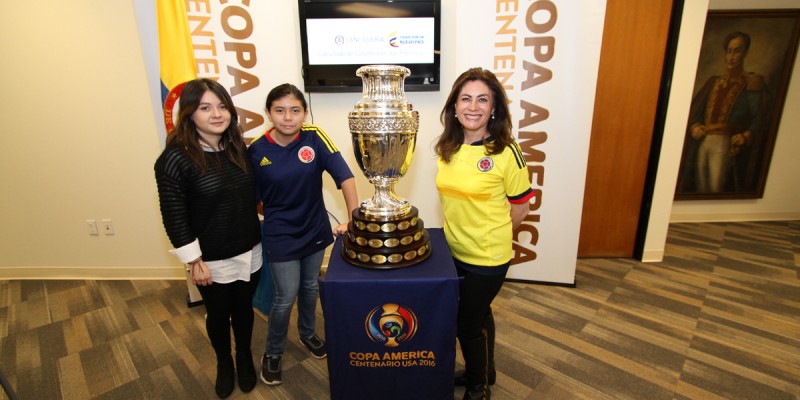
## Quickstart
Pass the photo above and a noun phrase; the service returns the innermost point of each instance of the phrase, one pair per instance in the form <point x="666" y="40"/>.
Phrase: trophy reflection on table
<point x="386" y="231"/>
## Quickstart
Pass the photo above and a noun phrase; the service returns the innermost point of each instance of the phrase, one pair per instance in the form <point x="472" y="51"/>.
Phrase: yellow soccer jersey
<point x="475" y="190"/>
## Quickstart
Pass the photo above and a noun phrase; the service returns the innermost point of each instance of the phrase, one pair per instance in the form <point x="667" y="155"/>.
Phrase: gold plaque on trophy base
<point x="386" y="244"/>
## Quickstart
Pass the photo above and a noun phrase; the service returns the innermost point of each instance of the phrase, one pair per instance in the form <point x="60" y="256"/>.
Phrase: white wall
<point x="691" y="34"/>
<point x="80" y="143"/>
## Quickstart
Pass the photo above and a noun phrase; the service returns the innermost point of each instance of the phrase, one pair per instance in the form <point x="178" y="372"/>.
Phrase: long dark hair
<point x="499" y="127"/>
<point x="185" y="134"/>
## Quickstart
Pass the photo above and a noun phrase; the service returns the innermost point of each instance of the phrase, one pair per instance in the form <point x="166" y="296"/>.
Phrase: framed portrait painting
<point x="743" y="73"/>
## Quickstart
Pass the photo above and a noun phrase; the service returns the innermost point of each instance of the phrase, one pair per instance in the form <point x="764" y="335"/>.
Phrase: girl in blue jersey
<point x="206" y="190"/>
<point x="289" y="160"/>
<point x="484" y="189"/>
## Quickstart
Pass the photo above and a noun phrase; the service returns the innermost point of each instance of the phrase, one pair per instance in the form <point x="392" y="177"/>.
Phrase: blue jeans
<point x="296" y="278"/>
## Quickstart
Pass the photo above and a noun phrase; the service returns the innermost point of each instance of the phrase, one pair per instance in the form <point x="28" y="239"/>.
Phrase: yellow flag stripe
<point x="175" y="44"/>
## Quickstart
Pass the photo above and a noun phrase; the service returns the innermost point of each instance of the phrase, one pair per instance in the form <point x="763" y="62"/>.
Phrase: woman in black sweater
<point x="207" y="195"/>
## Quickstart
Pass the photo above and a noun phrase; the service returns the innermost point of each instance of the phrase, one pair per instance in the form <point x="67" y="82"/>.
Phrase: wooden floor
<point x="719" y="318"/>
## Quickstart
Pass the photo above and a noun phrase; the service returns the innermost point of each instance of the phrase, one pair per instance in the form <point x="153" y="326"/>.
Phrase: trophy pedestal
<point x="386" y="243"/>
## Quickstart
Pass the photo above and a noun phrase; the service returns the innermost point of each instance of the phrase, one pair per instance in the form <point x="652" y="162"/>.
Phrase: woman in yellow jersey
<point x="484" y="189"/>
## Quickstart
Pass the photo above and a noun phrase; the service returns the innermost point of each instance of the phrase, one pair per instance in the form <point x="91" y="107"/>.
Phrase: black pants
<point x="476" y="293"/>
<point x="230" y="305"/>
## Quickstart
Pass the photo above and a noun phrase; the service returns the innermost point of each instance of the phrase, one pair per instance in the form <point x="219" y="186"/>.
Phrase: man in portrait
<point x="727" y="126"/>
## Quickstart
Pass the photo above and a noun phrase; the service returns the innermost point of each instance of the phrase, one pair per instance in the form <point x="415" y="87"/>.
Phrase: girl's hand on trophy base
<point x="340" y="230"/>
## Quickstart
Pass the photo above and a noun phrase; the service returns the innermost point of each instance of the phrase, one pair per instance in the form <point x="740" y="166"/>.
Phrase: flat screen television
<point x="339" y="36"/>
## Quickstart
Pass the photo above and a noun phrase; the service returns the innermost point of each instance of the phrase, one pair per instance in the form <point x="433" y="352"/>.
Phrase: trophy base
<point x="387" y="243"/>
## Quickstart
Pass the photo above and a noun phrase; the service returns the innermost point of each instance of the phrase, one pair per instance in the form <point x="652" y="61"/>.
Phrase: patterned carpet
<point x="719" y="318"/>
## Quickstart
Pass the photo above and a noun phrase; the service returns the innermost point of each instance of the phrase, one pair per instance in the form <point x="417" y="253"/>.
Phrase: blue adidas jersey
<point x="289" y="184"/>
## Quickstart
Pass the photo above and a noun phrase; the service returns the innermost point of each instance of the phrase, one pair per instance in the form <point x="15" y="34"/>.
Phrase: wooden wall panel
<point x="631" y="59"/>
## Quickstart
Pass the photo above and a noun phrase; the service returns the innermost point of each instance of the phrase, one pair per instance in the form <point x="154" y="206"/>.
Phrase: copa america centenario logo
<point x="391" y="324"/>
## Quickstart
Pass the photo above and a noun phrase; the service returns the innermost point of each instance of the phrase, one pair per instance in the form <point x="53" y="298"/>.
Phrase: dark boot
<point x="475" y="352"/>
<point x="488" y="328"/>
<point x="242" y="325"/>
<point x="245" y="372"/>
<point x="225" y="372"/>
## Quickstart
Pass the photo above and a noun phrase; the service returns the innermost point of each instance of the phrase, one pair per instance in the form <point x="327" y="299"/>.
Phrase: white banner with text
<point x="546" y="54"/>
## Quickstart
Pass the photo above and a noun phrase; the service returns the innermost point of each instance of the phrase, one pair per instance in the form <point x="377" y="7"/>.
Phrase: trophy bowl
<point x="383" y="127"/>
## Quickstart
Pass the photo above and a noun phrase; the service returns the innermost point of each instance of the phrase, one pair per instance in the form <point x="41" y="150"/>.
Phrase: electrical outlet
<point x="92" y="225"/>
<point x="107" y="226"/>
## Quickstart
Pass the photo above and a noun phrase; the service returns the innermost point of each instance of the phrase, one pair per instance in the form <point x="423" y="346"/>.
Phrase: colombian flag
<point x="176" y="54"/>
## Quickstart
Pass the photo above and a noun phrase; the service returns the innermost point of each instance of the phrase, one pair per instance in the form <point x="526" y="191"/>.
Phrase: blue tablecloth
<point x="391" y="334"/>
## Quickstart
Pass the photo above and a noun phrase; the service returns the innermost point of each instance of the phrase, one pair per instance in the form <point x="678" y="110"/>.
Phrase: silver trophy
<point x="385" y="232"/>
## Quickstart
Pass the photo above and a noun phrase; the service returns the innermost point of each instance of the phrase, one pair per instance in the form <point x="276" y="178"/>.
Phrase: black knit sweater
<point x="218" y="208"/>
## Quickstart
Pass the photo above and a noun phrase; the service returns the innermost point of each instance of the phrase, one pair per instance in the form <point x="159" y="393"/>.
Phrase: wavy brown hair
<point x="499" y="127"/>
<point x="185" y="134"/>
